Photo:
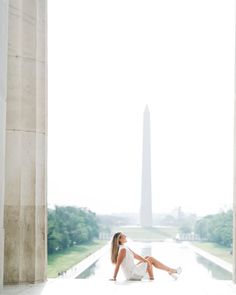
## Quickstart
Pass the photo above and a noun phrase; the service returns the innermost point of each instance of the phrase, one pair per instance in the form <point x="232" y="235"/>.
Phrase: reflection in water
<point x="88" y="272"/>
<point x="146" y="250"/>
<point x="215" y="271"/>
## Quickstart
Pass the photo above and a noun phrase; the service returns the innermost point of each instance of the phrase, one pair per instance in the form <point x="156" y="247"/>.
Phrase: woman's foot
<point x="178" y="270"/>
<point x="151" y="279"/>
<point x="173" y="272"/>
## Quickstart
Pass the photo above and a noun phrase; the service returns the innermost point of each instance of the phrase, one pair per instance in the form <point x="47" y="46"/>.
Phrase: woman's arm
<point x="120" y="258"/>
<point x="138" y="257"/>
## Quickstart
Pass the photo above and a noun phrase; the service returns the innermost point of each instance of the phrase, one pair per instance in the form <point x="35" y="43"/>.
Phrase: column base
<point x="1" y="256"/>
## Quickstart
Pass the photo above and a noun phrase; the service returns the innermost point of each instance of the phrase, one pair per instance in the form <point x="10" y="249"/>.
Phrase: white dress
<point x="131" y="270"/>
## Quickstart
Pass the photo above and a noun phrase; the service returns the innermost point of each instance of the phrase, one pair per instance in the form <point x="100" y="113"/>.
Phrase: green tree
<point x="216" y="228"/>
<point x="68" y="226"/>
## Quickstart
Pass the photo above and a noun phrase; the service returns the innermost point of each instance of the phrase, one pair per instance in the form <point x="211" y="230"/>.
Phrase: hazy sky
<point x="107" y="60"/>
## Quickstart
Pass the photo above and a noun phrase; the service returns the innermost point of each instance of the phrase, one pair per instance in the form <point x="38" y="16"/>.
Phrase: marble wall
<point x="25" y="211"/>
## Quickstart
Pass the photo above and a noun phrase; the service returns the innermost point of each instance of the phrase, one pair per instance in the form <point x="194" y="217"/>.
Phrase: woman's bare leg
<point x="150" y="271"/>
<point x="160" y="265"/>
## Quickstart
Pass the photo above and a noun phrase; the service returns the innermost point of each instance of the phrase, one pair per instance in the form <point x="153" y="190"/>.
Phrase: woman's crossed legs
<point x="156" y="263"/>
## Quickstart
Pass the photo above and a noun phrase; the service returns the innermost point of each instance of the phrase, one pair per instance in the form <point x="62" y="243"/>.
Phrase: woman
<point x="122" y="256"/>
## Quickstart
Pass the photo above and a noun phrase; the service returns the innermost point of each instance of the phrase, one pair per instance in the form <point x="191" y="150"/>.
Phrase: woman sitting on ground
<point x="122" y="256"/>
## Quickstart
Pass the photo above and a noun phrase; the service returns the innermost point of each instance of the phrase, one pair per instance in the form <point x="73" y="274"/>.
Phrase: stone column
<point x="25" y="213"/>
<point x="234" y="181"/>
<point x="234" y="206"/>
<point x="3" y="95"/>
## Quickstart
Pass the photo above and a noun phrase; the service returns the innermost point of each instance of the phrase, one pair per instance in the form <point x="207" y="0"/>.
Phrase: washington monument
<point x="146" y="195"/>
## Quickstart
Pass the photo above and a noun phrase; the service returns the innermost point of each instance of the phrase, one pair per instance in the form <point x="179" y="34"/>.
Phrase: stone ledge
<point x="77" y="269"/>
<point x="223" y="264"/>
<point x="70" y="286"/>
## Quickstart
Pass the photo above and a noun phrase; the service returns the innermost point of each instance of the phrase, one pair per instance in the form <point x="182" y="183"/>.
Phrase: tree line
<point x="69" y="226"/>
<point x="217" y="228"/>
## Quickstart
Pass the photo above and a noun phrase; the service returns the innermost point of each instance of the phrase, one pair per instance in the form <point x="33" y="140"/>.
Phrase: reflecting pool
<point x="173" y="254"/>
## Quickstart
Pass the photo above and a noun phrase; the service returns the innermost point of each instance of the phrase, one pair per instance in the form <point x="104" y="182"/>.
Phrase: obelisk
<point x="146" y="195"/>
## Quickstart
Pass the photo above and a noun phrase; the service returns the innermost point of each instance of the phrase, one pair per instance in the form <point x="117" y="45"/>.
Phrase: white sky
<point x="107" y="60"/>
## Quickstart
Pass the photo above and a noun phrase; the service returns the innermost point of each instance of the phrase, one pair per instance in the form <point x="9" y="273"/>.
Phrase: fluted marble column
<point x="25" y="218"/>
<point x="3" y="95"/>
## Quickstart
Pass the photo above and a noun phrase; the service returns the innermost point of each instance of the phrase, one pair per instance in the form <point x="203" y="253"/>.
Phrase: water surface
<point x="195" y="267"/>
